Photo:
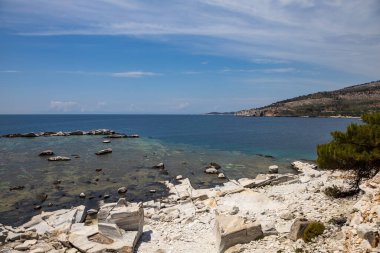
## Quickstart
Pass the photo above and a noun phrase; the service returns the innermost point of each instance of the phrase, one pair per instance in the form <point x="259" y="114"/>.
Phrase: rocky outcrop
<point x="264" y="217"/>
<point x="107" y="132"/>
<point x="350" y="101"/>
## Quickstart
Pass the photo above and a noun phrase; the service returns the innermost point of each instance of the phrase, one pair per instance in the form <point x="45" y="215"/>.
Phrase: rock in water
<point x="211" y="170"/>
<point x="46" y="153"/>
<point x="179" y="177"/>
<point x="104" y="151"/>
<point x="82" y="195"/>
<point x="59" y="158"/>
<point x="215" y="165"/>
<point x="221" y="175"/>
<point x="273" y="169"/>
<point x="159" y="166"/>
<point x="106" y="141"/>
<point x="122" y="190"/>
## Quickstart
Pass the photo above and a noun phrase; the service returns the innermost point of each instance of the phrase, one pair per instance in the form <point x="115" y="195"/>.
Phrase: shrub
<point x="357" y="150"/>
<point x="313" y="229"/>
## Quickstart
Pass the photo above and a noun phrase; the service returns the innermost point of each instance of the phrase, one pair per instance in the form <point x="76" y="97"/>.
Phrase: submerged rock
<point x="16" y="188"/>
<point x="104" y="151"/>
<point x="46" y="153"/>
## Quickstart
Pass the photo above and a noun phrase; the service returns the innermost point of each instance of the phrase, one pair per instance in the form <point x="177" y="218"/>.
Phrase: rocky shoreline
<point x="106" y="132"/>
<point x="265" y="214"/>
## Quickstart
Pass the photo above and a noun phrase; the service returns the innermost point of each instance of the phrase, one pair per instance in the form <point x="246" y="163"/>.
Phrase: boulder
<point x="110" y="230"/>
<point x="122" y="190"/>
<point x="159" y="166"/>
<point x="46" y="153"/>
<point x="211" y="170"/>
<point x="221" y="175"/>
<point x="127" y="217"/>
<point x="232" y="230"/>
<point x="298" y="228"/>
<point x="59" y="158"/>
<point x="104" y="151"/>
<point x="273" y="169"/>
<point x="369" y="233"/>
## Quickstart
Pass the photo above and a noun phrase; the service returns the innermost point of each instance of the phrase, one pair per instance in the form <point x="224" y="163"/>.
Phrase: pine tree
<point x="356" y="150"/>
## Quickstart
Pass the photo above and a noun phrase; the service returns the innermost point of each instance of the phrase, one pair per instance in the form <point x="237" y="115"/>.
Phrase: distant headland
<point x="351" y="101"/>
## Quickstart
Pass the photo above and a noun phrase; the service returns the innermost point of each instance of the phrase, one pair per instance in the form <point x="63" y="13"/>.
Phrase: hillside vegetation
<point x="349" y="101"/>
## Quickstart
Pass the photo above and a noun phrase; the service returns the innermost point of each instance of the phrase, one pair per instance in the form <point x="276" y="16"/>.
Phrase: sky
<point x="180" y="57"/>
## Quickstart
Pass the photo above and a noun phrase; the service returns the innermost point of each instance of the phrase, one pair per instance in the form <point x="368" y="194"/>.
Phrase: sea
<point x="186" y="144"/>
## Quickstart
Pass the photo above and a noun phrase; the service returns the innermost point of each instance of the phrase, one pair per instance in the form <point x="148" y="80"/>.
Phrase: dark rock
<point x="37" y="207"/>
<point x="78" y="132"/>
<point x="98" y="170"/>
<point x="92" y="212"/>
<point x="116" y="136"/>
<point x="12" y="135"/>
<point x="46" y="153"/>
<point x="133" y="136"/>
<point x="57" y="182"/>
<point x="159" y="166"/>
<point x="104" y="151"/>
<point x="215" y="165"/>
<point x="42" y="197"/>
<point x="16" y="188"/>
<point x="48" y="133"/>
<point x="29" y="135"/>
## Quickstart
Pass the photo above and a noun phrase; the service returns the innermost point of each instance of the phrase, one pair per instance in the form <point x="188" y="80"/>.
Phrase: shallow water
<point x="186" y="144"/>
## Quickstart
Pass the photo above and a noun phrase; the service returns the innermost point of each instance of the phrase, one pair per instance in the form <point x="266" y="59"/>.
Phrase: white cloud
<point x="134" y="74"/>
<point x="9" y="71"/>
<point x="64" y="106"/>
<point x="343" y="35"/>
<point x="182" y="105"/>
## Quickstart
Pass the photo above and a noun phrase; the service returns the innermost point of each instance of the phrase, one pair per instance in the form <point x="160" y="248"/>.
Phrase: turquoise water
<point x="185" y="143"/>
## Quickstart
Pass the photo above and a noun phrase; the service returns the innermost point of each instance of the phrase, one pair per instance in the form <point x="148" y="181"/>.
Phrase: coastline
<point x="188" y="219"/>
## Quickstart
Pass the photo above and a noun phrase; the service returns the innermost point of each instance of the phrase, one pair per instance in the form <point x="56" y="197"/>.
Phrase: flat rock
<point x="104" y="151"/>
<point x="232" y="230"/>
<point x="59" y="158"/>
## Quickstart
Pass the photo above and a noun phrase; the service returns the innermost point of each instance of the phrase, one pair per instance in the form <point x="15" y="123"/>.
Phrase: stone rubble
<point x="260" y="215"/>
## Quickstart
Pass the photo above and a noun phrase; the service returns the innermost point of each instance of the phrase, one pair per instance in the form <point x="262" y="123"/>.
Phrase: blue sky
<point x="119" y="56"/>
